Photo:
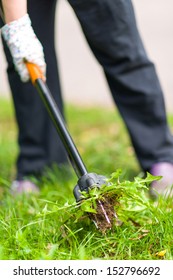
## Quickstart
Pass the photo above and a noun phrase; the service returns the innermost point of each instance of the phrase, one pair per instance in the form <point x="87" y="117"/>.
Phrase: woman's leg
<point x="111" y="31"/>
<point x="39" y="144"/>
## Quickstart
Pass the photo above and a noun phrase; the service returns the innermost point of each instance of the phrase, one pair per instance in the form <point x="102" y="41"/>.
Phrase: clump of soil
<point x="105" y="217"/>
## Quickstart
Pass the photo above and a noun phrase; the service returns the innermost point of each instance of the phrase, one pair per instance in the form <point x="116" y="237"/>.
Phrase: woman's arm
<point x="20" y="37"/>
<point x="14" y="9"/>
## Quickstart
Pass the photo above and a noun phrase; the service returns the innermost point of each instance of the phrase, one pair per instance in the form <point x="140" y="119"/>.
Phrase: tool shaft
<point x="60" y="126"/>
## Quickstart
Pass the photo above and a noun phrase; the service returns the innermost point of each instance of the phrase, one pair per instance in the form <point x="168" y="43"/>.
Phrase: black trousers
<point x="111" y="31"/>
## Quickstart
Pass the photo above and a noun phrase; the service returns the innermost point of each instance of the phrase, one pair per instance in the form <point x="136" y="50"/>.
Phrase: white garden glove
<point x="24" y="45"/>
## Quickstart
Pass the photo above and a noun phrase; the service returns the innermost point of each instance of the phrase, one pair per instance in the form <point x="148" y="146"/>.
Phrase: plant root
<point x="105" y="216"/>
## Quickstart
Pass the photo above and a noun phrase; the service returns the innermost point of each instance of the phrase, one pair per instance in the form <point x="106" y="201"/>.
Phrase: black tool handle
<point x="55" y="114"/>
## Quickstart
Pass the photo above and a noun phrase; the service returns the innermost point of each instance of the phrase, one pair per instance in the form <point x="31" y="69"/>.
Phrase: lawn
<point x="51" y="226"/>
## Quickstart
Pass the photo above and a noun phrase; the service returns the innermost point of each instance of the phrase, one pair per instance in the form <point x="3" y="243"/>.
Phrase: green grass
<point x="48" y="226"/>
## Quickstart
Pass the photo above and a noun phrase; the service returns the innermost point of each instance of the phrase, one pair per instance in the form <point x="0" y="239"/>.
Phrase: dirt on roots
<point x="105" y="216"/>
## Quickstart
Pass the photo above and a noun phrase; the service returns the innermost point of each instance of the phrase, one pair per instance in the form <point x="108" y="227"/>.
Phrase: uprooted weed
<point x="124" y="202"/>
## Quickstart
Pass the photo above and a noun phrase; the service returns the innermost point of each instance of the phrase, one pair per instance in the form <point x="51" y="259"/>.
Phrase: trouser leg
<point x="111" y="31"/>
<point x="39" y="144"/>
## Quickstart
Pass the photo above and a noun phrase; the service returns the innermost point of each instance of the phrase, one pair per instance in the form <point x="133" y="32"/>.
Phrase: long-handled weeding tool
<point x="86" y="180"/>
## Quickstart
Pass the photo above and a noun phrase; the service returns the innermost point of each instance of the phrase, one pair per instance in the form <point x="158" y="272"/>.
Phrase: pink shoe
<point x="164" y="186"/>
<point x="23" y="187"/>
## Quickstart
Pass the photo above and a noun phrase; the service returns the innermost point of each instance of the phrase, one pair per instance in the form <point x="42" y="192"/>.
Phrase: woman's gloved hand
<point x="24" y="45"/>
